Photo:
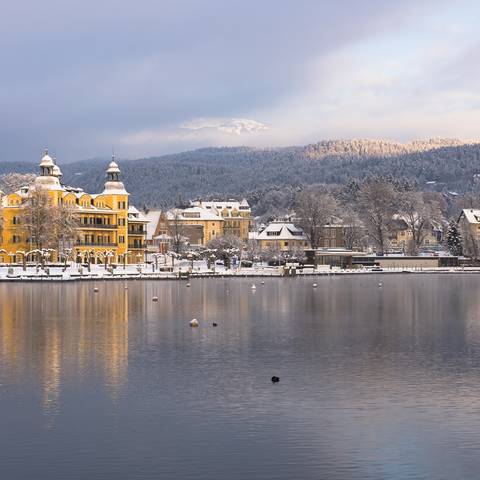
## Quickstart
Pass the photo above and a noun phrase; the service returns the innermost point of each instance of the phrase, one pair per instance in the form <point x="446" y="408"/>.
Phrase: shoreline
<point x="69" y="276"/>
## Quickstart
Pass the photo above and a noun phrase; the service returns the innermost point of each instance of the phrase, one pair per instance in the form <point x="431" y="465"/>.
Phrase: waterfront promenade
<point x="184" y="271"/>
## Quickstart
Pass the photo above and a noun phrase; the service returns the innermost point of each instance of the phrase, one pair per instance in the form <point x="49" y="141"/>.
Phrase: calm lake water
<point x="375" y="383"/>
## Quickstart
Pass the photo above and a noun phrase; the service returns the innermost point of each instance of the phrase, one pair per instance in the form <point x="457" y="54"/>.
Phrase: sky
<point x="151" y="77"/>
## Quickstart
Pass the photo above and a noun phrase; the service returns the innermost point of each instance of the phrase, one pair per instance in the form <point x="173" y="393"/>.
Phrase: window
<point x="122" y="205"/>
<point x="16" y="239"/>
<point x="121" y="222"/>
<point x="16" y="221"/>
<point x="121" y="239"/>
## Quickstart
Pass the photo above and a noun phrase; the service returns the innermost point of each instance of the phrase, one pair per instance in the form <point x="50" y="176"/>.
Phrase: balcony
<point x="93" y="244"/>
<point x="137" y="246"/>
<point x="93" y="226"/>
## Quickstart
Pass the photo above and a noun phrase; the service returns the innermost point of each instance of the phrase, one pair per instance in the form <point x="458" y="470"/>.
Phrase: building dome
<point x="48" y="182"/>
<point x="113" y="167"/>
<point x="56" y="172"/>
<point x="113" y="185"/>
<point x="47" y="160"/>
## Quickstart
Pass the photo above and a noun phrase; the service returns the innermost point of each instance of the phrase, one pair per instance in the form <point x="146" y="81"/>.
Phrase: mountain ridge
<point x="243" y="171"/>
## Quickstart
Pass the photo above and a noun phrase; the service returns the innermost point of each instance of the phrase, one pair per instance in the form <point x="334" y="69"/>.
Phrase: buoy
<point x="214" y="324"/>
<point x="275" y="379"/>
<point x="380" y="285"/>
<point x="188" y="284"/>
<point x="95" y="289"/>
<point x="155" y="299"/>
<point x="126" y="288"/>
<point x="314" y="285"/>
<point x="194" y="323"/>
<point x="253" y="286"/>
<point x="262" y="282"/>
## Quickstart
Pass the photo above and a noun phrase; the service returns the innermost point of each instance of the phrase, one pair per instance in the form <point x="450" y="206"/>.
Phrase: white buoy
<point x="95" y="289"/>
<point x="380" y="285"/>
<point x="155" y="299"/>
<point x="314" y="285"/>
<point x="262" y="282"/>
<point x="188" y="284"/>
<point x="194" y="322"/>
<point x="126" y="288"/>
<point x="253" y="286"/>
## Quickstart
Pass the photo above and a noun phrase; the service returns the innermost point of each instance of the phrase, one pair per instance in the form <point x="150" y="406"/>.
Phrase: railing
<point x="93" y="244"/>
<point x="136" y="232"/>
<point x="89" y="226"/>
<point x="143" y="245"/>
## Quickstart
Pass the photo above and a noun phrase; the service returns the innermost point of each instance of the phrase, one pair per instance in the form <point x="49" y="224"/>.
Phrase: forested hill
<point x="240" y="171"/>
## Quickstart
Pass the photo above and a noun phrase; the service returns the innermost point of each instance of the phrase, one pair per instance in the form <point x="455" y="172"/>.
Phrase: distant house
<point x="282" y="235"/>
<point x="199" y="222"/>
<point x="469" y="223"/>
<point x="400" y="235"/>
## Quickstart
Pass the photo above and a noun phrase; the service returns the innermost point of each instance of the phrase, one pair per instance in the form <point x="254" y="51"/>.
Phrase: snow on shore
<point x="182" y="270"/>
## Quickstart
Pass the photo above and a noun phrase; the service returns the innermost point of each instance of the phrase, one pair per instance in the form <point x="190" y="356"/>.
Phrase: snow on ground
<point x="183" y="269"/>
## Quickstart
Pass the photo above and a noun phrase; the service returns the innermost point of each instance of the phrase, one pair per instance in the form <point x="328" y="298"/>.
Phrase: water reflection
<point x="52" y="334"/>
<point x="375" y="383"/>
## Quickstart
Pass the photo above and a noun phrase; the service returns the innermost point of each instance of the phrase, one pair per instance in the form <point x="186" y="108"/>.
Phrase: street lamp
<point x="106" y="255"/>
<point x="3" y="251"/>
<point x="24" y="260"/>
<point x="156" y="256"/>
<point x="125" y="258"/>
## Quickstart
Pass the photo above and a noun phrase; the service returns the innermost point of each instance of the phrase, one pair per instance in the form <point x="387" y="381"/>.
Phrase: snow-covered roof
<point x="221" y="205"/>
<point x="282" y="231"/>
<point x="134" y="215"/>
<point x="472" y="215"/>
<point x="152" y="217"/>
<point x="194" y="213"/>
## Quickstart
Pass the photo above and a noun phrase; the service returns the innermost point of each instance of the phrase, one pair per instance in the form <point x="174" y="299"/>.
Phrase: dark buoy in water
<point x="155" y="299"/>
<point x="214" y="324"/>
<point x="275" y="379"/>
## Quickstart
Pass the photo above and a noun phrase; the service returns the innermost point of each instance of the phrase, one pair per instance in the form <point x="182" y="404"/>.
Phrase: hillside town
<point x="48" y="223"/>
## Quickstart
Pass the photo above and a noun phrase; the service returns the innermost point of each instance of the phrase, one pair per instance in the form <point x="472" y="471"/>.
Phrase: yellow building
<point x="237" y="216"/>
<point x="106" y="230"/>
<point x="280" y="235"/>
<point x="400" y="235"/>
<point x="201" y="222"/>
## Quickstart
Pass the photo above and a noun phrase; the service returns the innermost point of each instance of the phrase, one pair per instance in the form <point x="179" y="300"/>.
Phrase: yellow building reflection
<point x="53" y="334"/>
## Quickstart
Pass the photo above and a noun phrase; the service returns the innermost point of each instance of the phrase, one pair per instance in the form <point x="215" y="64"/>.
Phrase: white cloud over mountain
<point x="233" y="126"/>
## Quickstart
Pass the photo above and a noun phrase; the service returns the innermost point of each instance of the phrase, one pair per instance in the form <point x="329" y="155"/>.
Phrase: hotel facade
<point x="106" y="228"/>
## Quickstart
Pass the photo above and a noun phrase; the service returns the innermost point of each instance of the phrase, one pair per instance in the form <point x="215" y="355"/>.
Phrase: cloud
<point x="132" y="73"/>
<point x="234" y="126"/>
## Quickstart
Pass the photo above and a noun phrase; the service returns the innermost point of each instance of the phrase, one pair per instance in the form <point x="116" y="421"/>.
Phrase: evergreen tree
<point x="454" y="239"/>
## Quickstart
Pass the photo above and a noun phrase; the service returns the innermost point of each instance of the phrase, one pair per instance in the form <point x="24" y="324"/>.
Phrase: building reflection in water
<point x="62" y="337"/>
<point x="52" y="334"/>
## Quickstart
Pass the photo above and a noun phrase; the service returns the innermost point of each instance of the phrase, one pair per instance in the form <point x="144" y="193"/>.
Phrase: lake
<point x="375" y="383"/>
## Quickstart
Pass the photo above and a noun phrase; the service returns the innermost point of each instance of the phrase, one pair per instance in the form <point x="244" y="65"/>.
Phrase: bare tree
<point x="225" y="247"/>
<point x="272" y="253"/>
<point x="64" y="228"/>
<point x="377" y="203"/>
<point x="471" y="247"/>
<point x="313" y="210"/>
<point x="38" y="218"/>
<point x="176" y="230"/>
<point x="354" y="237"/>
<point x="47" y="225"/>
<point x="253" y="250"/>
<point x="418" y="215"/>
